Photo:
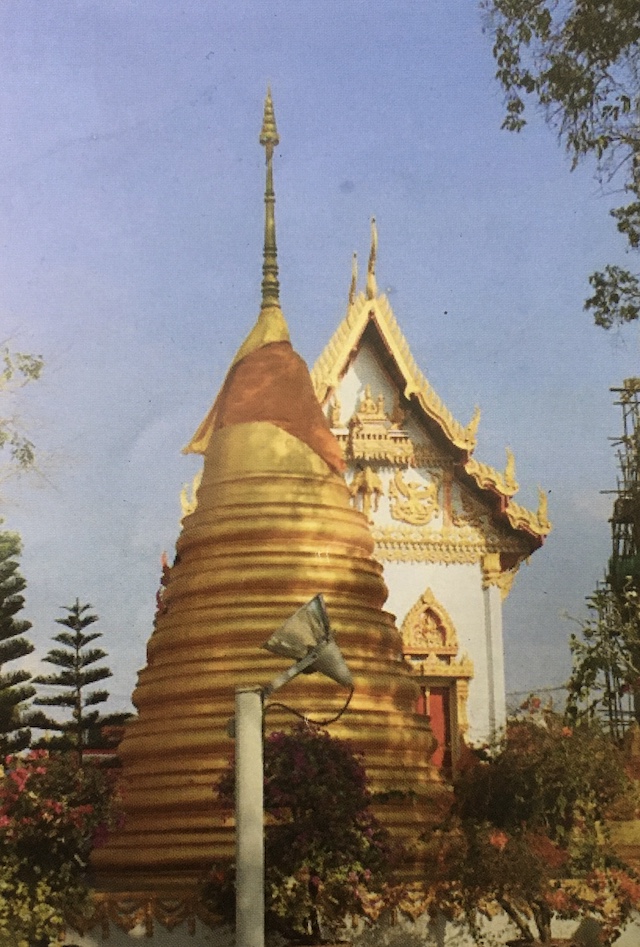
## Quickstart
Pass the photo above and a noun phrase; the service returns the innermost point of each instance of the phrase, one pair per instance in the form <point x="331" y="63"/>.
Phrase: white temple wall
<point x="477" y="617"/>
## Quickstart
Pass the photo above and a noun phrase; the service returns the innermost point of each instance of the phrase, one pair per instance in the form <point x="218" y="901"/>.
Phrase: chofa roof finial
<point x="372" y="286"/>
<point x="354" y="279"/>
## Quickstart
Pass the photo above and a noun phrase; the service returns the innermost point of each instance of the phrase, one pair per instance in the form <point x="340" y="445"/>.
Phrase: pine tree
<point x="15" y="686"/>
<point x="77" y="663"/>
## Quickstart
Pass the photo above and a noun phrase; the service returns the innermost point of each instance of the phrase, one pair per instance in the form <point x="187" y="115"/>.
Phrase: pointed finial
<point x="269" y="139"/>
<point x="372" y="287"/>
<point x="510" y="472"/>
<point x="472" y="427"/>
<point x="269" y="132"/>
<point x="543" y="510"/>
<point x="354" y="279"/>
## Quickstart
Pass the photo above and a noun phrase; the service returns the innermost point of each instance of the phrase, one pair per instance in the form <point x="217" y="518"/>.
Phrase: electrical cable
<point x="316" y="723"/>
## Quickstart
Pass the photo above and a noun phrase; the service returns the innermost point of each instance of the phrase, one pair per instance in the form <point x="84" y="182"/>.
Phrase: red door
<point x="440" y="719"/>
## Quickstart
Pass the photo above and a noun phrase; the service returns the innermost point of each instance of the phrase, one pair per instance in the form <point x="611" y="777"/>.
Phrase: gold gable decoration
<point x="394" y="445"/>
<point x="537" y="523"/>
<point x="428" y="629"/>
<point x="334" y="360"/>
<point x="366" y="489"/>
<point x="371" y="434"/>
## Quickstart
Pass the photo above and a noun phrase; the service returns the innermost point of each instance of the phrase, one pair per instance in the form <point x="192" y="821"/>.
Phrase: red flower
<point x="498" y="839"/>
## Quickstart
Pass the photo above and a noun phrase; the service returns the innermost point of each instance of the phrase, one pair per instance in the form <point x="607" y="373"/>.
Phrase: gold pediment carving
<point x="395" y="446"/>
<point x="428" y="629"/>
<point x="433" y="666"/>
<point x="410" y="502"/>
<point x="371" y="434"/>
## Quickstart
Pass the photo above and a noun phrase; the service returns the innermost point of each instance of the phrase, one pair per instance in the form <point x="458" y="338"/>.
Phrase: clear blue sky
<point x="131" y="228"/>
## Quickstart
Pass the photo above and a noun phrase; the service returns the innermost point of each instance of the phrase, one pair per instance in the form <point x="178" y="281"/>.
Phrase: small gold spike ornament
<point x="372" y="286"/>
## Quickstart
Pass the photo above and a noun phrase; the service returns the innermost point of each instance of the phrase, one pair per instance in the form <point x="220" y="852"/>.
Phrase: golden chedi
<point x="272" y="527"/>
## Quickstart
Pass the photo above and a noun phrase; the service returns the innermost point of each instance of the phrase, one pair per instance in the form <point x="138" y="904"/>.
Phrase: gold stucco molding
<point x="494" y="574"/>
<point x="129" y="910"/>
<point x="462" y="544"/>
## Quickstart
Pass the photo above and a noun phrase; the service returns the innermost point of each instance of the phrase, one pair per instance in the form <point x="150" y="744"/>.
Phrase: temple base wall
<point x="425" y="932"/>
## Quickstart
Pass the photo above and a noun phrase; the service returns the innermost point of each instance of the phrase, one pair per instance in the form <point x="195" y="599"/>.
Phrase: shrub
<point x="527" y="833"/>
<point x="325" y="854"/>
<point x="52" y="813"/>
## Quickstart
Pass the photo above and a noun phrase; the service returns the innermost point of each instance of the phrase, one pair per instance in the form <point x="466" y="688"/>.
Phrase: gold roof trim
<point x="489" y="478"/>
<point x="334" y="361"/>
<point x="537" y="523"/>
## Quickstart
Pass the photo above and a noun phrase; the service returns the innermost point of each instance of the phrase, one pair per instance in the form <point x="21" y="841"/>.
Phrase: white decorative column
<point x="492" y="595"/>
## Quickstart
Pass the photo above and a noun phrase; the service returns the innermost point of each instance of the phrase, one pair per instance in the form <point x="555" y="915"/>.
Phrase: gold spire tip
<point x="269" y="131"/>
<point x="270" y="284"/>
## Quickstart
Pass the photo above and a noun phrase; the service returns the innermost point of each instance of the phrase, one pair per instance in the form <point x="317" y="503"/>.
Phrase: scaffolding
<point x="620" y="615"/>
<point x="624" y="564"/>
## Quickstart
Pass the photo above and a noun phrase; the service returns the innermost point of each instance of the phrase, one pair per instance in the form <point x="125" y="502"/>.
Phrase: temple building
<point x="446" y="528"/>
<point x="353" y="481"/>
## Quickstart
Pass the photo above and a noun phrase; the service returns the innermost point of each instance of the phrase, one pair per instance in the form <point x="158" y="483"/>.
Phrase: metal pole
<point x="249" y="818"/>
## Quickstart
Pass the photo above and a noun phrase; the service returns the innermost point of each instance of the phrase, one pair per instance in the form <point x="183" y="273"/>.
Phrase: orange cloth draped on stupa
<point x="272" y="527"/>
<point x="273" y="384"/>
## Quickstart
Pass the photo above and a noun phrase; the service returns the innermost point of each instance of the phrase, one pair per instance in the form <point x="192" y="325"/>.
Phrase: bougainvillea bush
<point x="325" y="854"/>
<point x="527" y="833"/>
<point x="52" y="812"/>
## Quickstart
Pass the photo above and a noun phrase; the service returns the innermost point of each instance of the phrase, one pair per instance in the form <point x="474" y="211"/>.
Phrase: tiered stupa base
<point x="273" y="527"/>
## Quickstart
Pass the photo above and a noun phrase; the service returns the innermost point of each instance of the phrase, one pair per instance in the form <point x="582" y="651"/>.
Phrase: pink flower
<point x="20" y="777"/>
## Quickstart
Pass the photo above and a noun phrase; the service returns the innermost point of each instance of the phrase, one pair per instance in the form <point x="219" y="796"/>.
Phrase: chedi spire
<point x="269" y="139"/>
<point x="272" y="527"/>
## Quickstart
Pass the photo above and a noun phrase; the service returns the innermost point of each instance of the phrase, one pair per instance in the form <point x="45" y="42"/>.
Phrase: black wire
<point x="316" y="723"/>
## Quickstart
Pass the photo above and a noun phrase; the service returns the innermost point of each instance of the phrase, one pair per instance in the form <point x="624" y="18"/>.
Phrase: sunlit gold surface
<point x="272" y="527"/>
